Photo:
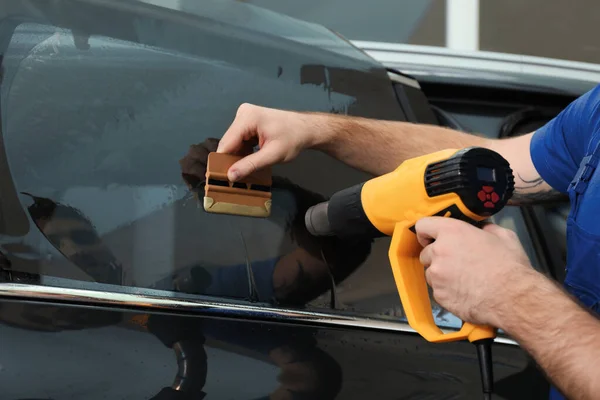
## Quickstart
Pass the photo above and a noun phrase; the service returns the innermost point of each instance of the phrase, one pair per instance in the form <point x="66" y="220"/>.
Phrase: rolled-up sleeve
<point x="558" y="147"/>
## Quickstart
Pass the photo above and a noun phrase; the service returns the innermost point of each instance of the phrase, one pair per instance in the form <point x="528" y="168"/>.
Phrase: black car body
<point x="116" y="284"/>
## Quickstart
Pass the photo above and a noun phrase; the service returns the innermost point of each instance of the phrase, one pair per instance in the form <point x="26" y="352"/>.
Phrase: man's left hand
<point x="471" y="270"/>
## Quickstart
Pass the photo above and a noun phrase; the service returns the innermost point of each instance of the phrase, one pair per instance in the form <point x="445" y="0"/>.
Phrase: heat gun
<point x="469" y="184"/>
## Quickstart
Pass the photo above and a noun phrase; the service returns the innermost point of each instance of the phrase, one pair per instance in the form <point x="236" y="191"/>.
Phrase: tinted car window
<point x="107" y="122"/>
<point x="98" y="133"/>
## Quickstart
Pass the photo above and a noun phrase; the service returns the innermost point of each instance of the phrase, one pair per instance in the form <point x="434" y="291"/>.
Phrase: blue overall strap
<point x="587" y="167"/>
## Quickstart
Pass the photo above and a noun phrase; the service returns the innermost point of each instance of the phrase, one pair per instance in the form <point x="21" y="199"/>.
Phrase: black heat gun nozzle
<point x="317" y="220"/>
<point x="343" y="216"/>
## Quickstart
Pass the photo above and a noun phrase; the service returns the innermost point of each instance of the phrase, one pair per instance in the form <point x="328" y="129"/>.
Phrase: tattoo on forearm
<point x="543" y="196"/>
<point x="529" y="184"/>
<point x="526" y="193"/>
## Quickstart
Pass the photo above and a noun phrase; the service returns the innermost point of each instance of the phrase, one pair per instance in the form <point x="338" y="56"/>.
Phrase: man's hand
<point x="483" y="276"/>
<point x="471" y="270"/>
<point x="280" y="134"/>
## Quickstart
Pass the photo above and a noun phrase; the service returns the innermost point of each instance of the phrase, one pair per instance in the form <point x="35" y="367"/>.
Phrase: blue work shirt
<point x="566" y="153"/>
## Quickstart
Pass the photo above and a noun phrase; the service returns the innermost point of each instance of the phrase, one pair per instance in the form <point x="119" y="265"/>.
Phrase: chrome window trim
<point x="201" y="307"/>
<point x="405" y="80"/>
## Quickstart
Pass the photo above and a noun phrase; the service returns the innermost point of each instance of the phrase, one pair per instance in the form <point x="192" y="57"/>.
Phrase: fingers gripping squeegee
<point x="249" y="197"/>
<point x="471" y="184"/>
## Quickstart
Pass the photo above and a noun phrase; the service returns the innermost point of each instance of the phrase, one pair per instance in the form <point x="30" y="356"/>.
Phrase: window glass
<point x="107" y="143"/>
<point x="106" y="130"/>
<point x="99" y="157"/>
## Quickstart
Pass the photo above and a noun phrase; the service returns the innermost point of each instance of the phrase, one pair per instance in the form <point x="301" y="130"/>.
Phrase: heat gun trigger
<point x="453" y="212"/>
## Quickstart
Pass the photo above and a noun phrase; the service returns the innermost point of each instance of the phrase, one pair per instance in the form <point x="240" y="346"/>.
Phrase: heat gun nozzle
<point x="317" y="220"/>
<point x="342" y="216"/>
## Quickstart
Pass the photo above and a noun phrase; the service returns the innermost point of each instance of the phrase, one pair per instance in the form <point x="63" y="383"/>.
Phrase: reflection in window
<point x="95" y="128"/>
<point x="96" y="133"/>
<point x="75" y="237"/>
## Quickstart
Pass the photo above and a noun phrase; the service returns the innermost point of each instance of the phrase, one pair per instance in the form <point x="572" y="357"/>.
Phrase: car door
<point x="117" y="284"/>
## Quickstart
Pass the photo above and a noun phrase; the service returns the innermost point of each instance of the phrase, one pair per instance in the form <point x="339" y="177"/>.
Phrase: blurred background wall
<point x="547" y="28"/>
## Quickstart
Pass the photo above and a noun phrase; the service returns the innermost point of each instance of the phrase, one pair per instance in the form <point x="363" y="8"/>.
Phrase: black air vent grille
<point x="445" y="176"/>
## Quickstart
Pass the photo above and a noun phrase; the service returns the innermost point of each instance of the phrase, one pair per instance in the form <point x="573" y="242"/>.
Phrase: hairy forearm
<point x="378" y="147"/>
<point x="561" y="336"/>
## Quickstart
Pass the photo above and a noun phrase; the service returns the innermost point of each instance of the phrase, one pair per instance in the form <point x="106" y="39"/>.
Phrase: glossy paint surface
<point x="127" y="354"/>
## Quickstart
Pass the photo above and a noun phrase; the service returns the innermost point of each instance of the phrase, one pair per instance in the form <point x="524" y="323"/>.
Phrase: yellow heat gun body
<point x="470" y="184"/>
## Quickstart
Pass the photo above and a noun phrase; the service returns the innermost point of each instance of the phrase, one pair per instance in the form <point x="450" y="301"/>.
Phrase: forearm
<point x="378" y="147"/>
<point x="561" y="336"/>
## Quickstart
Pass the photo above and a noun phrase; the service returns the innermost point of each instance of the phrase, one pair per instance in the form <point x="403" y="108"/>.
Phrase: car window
<point x="106" y="137"/>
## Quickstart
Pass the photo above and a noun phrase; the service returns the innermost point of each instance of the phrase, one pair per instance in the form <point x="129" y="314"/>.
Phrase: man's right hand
<point x="280" y="135"/>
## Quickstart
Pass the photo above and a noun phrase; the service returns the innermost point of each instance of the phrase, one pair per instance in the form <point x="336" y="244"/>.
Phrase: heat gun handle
<point x="409" y="275"/>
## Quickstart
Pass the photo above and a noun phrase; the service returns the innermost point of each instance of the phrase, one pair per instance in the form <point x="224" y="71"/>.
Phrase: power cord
<point x="484" y="354"/>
